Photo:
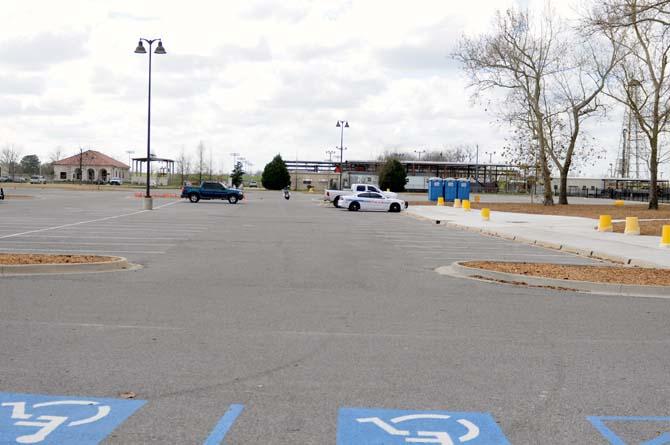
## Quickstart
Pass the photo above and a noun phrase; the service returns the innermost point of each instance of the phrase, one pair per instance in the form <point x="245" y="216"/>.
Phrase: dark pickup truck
<point x="211" y="190"/>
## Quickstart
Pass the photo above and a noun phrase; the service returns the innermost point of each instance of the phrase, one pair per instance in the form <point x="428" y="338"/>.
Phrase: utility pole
<point x="477" y="163"/>
<point x="342" y="125"/>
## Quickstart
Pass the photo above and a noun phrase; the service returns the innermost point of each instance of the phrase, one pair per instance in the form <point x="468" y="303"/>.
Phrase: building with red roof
<point x="96" y="167"/>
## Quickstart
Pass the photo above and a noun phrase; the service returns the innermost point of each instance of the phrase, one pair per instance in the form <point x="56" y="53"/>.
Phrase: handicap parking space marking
<point x="604" y="424"/>
<point x="396" y="427"/>
<point x="223" y="425"/>
<point x="61" y="420"/>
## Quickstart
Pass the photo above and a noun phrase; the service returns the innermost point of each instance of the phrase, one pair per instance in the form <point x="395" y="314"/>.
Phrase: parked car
<point x="116" y="181"/>
<point x="253" y="184"/>
<point x="35" y="179"/>
<point x="371" y="201"/>
<point x="334" y="196"/>
<point x="5" y="179"/>
<point x="212" y="190"/>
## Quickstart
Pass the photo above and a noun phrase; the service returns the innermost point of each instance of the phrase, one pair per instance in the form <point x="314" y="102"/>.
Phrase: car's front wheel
<point x="232" y="199"/>
<point x="194" y="197"/>
<point x="354" y="207"/>
<point x="395" y="207"/>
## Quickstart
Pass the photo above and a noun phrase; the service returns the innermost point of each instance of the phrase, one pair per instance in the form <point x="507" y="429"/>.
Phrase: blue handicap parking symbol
<point x="601" y="424"/>
<point x="62" y="420"/>
<point x="362" y="426"/>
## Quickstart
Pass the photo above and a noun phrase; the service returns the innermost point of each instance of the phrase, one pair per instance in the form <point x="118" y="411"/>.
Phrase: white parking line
<point x="84" y="222"/>
<point x="91" y="325"/>
<point x="76" y="243"/>
<point x="102" y="252"/>
<point x="99" y="237"/>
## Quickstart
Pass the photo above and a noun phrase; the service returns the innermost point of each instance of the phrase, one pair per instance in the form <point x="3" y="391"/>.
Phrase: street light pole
<point x="342" y="125"/>
<point x="130" y="152"/>
<point x="419" y="152"/>
<point x="330" y="154"/>
<point x="148" y="202"/>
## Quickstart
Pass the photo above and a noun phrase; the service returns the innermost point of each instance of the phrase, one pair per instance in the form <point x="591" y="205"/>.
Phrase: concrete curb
<point x="554" y="246"/>
<point x="117" y="263"/>
<point x="459" y="270"/>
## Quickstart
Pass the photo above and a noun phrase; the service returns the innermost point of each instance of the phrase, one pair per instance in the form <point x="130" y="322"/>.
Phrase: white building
<point x="96" y="167"/>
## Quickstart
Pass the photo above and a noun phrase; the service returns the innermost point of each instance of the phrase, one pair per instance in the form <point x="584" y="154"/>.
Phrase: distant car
<point x="212" y="190"/>
<point x="371" y="201"/>
<point x="5" y="179"/>
<point x="116" y="181"/>
<point x="335" y="195"/>
<point x="253" y="184"/>
<point x="35" y="179"/>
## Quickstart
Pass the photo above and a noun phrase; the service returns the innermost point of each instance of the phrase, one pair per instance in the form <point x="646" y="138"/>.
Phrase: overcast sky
<point x="256" y="77"/>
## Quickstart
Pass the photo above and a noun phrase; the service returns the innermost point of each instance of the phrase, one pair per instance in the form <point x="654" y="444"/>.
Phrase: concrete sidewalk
<point x="567" y="233"/>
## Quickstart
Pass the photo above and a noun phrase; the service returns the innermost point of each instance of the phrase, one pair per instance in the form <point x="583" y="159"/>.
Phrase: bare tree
<point x="56" y="154"/>
<point x="460" y="153"/>
<point x="571" y="96"/>
<point x="9" y="157"/>
<point x="183" y="164"/>
<point x="200" y="159"/>
<point x="210" y="167"/>
<point x="641" y="81"/>
<point x="518" y="57"/>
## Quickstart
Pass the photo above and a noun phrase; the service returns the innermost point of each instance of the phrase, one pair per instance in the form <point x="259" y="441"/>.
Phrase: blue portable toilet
<point x="435" y="188"/>
<point x="463" y="189"/>
<point x="450" y="189"/>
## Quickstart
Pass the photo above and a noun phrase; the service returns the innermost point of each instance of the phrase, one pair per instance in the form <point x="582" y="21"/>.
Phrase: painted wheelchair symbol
<point x="438" y="437"/>
<point x="48" y="424"/>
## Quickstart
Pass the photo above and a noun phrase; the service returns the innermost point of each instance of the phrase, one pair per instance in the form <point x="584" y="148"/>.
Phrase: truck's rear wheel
<point x="232" y="199"/>
<point x="194" y="197"/>
<point x="395" y="207"/>
<point x="336" y="201"/>
<point x="354" y="207"/>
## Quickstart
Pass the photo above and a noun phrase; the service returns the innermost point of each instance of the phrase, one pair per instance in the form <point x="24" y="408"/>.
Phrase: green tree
<point x="237" y="174"/>
<point x="30" y="165"/>
<point x="275" y="174"/>
<point x="393" y="176"/>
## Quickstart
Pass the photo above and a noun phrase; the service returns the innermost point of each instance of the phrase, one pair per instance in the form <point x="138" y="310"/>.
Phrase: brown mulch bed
<point x="17" y="196"/>
<point x="651" y="228"/>
<point x="33" y="258"/>
<point x="597" y="274"/>
<point x="583" y="210"/>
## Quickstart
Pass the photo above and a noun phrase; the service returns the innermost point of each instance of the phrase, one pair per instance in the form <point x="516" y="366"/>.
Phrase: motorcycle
<point x="287" y="194"/>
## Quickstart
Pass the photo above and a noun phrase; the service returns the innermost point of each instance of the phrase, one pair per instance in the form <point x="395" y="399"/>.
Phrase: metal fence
<point x="626" y="194"/>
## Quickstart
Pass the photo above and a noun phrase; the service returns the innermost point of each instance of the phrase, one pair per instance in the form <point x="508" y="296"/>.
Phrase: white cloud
<point x="256" y="77"/>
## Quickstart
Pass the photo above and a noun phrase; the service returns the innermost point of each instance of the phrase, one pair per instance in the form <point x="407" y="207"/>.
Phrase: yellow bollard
<point x="486" y="214"/>
<point x="457" y="203"/>
<point x="618" y="203"/>
<point x="665" y="237"/>
<point x="440" y="200"/>
<point x="632" y="226"/>
<point x="605" y="223"/>
<point x="388" y="189"/>
<point x="477" y="198"/>
<point x="466" y="205"/>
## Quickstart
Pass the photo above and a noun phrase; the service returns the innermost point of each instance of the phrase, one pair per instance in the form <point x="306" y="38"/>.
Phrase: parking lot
<point x="266" y="321"/>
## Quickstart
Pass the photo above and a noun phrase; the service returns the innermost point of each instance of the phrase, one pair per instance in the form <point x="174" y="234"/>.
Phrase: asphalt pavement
<point x="262" y="322"/>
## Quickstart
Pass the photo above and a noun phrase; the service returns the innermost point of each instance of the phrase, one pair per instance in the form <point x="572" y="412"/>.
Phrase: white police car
<point x="371" y="201"/>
